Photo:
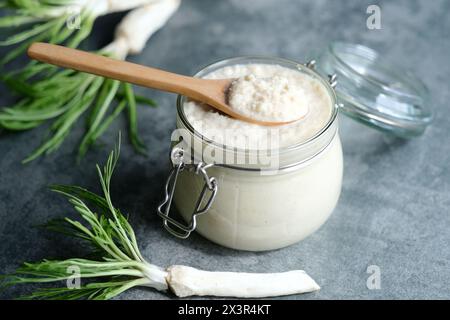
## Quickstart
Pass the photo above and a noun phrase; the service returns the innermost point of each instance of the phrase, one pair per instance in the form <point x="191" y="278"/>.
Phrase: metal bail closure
<point x="332" y="78"/>
<point x="182" y="230"/>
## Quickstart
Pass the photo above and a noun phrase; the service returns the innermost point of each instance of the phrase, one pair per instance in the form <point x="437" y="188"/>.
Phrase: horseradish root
<point x="139" y="25"/>
<point x="186" y="281"/>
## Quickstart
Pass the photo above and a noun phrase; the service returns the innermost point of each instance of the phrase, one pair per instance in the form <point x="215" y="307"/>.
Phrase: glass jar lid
<point x="376" y="93"/>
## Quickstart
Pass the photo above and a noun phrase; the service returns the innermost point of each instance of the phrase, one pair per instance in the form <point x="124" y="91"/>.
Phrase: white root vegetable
<point x="139" y="25"/>
<point x="186" y="281"/>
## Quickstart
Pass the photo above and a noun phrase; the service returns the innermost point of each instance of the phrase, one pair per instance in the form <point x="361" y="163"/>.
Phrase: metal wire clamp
<point x="332" y="78"/>
<point x="183" y="230"/>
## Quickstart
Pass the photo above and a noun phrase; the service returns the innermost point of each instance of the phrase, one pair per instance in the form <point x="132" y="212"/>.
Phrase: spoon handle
<point x="116" y="69"/>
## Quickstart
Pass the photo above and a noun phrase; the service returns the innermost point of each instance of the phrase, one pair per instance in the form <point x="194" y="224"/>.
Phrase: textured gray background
<point x="394" y="208"/>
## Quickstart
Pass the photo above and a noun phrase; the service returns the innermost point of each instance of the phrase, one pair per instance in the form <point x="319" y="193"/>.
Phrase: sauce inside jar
<point x="311" y="103"/>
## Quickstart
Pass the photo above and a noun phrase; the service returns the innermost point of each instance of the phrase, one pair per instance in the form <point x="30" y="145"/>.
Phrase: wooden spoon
<point x="211" y="92"/>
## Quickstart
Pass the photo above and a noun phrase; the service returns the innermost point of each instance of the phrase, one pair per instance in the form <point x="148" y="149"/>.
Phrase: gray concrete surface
<point x="394" y="209"/>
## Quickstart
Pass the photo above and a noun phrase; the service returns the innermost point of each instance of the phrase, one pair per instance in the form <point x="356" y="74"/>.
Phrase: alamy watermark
<point x="74" y="280"/>
<point x="373" y="21"/>
<point x="73" y="21"/>
<point x="374" y="280"/>
<point x="258" y="147"/>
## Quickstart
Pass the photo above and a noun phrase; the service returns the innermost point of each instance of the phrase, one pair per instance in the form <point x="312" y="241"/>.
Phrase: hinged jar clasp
<point x="332" y="78"/>
<point x="201" y="206"/>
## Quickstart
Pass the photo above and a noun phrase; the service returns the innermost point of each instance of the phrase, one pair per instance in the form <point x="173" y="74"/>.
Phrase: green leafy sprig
<point x="63" y="99"/>
<point x="41" y="20"/>
<point x="61" y="96"/>
<point x="119" y="260"/>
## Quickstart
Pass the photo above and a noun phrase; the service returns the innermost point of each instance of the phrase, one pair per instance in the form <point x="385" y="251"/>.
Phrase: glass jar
<point x="259" y="205"/>
<point x="262" y="205"/>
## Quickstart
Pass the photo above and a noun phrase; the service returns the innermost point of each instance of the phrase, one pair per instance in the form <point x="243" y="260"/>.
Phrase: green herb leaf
<point x="52" y="94"/>
<point x="121" y="265"/>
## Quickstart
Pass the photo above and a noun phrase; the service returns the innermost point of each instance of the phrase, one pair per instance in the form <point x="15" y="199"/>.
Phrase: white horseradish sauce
<point x="277" y="98"/>
<point x="264" y="92"/>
